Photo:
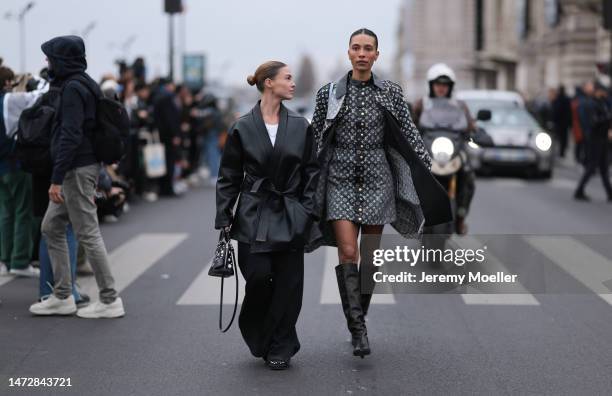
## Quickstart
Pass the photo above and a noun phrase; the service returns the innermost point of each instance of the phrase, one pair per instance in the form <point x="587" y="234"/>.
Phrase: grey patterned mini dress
<point x="360" y="184"/>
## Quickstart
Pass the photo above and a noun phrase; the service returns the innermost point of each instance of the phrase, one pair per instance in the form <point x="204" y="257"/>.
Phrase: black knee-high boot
<point x="369" y="243"/>
<point x="366" y="272"/>
<point x="347" y="276"/>
<point x="365" y="303"/>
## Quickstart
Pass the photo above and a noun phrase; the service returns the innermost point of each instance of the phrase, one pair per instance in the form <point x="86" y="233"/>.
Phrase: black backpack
<point x="112" y="126"/>
<point x="34" y="133"/>
<point x="36" y="125"/>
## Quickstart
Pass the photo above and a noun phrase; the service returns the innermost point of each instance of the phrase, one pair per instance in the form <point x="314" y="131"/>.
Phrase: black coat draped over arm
<point x="274" y="185"/>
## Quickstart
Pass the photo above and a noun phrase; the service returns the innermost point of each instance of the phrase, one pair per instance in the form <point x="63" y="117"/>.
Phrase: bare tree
<point x="305" y="80"/>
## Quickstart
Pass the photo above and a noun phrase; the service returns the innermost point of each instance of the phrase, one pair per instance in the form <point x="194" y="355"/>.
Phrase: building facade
<point x="522" y="45"/>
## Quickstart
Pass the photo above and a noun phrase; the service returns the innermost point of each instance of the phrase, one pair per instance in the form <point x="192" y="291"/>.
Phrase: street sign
<point x="193" y="70"/>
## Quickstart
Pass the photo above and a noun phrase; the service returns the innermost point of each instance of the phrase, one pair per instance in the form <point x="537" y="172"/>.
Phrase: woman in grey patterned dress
<point x="366" y="182"/>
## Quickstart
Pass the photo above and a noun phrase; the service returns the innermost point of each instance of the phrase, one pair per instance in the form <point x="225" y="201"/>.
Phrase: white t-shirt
<point x="272" y="129"/>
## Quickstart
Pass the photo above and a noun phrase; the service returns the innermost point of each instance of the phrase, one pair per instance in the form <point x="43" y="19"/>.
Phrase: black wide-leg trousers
<point x="272" y="301"/>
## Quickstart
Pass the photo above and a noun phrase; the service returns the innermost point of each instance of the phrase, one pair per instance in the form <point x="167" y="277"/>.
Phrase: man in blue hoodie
<point x="73" y="184"/>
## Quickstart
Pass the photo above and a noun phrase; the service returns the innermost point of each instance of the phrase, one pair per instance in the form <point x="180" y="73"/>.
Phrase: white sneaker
<point x="101" y="310"/>
<point x="54" y="306"/>
<point x="180" y="187"/>
<point x="28" y="271"/>
<point x="204" y="172"/>
<point x="150" y="196"/>
<point x="111" y="219"/>
<point x="4" y="271"/>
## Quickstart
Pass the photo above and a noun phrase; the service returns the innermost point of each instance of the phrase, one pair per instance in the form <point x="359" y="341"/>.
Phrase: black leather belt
<point x="265" y="185"/>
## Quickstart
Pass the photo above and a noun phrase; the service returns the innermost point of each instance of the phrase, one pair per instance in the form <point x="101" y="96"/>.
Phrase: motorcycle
<point x="446" y="137"/>
<point x="449" y="155"/>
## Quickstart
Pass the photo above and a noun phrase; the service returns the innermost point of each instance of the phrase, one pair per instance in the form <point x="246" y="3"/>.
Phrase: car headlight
<point x="442" y="149"/>
<point x="543" y="141"/>
<point x="473" y="145"/>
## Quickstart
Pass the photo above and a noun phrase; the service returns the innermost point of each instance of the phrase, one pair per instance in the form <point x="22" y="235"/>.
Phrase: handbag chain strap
<point x="233" y="258"/>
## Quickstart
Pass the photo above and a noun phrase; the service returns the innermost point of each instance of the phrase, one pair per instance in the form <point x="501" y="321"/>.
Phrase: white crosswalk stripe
<point x="499" y="299"/>
<point x="511" y="183"/>
<point x="329" y="288"/>
<point x="519" y="295"/>
<point x="134" y="257"/>
<point x="557" y="182"/>
<point x="6" y="279"/>
<point x="205" y="289"/>
<point x="579" y="260"/>
<point x="562" y="183"/>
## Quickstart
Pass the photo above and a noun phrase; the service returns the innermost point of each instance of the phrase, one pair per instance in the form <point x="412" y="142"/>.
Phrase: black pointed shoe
<point x="277" y="364"/>
<point x="361" y="345"/>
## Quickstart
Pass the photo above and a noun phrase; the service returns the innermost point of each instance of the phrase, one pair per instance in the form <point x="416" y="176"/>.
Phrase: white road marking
<point x="6" y="279"/>
<point x="579" y="260"/>
<point x="562" y="183"/>
<point x="329" y="287"/>
<point x="205" y="289"/>
<point x="494" y="264"/>
<point x="511" y="183"/>
<point x="133" y="258"/>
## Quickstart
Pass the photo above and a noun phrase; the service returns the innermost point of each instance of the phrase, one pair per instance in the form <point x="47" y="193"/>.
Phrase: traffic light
<point x="173" y="6"/>
<point x="607" y="14"/>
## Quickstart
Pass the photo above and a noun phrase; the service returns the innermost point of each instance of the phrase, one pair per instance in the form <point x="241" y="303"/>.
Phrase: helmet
<point x="440" y="73"/>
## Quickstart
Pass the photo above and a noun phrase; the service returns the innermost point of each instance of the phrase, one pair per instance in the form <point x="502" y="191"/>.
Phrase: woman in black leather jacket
<point x="269" y="161"/>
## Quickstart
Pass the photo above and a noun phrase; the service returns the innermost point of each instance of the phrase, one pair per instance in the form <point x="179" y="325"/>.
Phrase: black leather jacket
<point x="276" y="184"/>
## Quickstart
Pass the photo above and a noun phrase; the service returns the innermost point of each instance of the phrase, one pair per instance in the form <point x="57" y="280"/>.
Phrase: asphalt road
<point x="169" y="344"/>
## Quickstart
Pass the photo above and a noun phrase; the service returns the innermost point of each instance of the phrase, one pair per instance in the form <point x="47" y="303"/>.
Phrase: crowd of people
<point x="176" y="135"/>
<point x="188" y="124"/>
<point x="587" y="115"/>
<point x="175" y="140"/>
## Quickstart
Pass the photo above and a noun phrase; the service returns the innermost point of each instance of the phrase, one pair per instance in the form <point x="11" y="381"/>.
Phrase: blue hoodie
<point x="72" y="141"/>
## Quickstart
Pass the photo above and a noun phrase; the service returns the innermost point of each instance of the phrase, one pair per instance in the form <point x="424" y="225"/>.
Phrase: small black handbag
<point x="223" y="267"/>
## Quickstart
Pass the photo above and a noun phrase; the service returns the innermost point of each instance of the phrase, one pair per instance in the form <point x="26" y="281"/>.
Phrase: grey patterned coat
<point x="420" y="199"/>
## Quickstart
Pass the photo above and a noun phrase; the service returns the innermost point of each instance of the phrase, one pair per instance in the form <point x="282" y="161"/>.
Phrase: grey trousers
<point x="80" y="210"/>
